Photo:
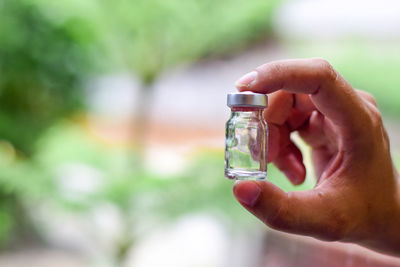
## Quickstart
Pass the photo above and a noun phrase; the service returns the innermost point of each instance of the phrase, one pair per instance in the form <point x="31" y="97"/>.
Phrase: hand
<point x="357" y="197"/>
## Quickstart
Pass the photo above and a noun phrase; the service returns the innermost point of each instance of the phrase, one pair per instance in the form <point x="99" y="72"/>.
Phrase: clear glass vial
<point x="246" y="137"/>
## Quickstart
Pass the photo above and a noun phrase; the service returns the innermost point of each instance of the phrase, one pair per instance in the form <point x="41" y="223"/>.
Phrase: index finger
<point x="329" y="92"/>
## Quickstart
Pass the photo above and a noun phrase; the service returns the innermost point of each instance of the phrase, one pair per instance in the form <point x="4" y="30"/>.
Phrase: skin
<point x="357" y="197"/>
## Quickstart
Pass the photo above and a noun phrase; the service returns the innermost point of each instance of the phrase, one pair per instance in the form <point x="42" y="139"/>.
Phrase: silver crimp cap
<point x="247" y="99"/>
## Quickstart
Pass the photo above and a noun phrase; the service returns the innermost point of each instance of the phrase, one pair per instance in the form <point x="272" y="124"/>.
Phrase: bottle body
<point x="246" y="141"/>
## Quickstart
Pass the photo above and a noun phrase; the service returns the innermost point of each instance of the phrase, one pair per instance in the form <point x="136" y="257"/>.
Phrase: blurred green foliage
<point x="201" y="186"/>
<point x="48" y="50"/>
<point x="43" y="62"/>
<point x="21" y="182"/>
<point x="143" y="200"/>
<point x="156" y="34"/>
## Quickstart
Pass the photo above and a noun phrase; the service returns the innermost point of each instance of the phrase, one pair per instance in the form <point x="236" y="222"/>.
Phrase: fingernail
<point x="247" y="79"/>
<point x="294" y="178"/>
<point x="247" y="192"/>
<point x="297" y="180"/>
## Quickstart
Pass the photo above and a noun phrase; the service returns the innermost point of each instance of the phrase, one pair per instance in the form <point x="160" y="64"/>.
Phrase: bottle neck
<point x="249" y="112"/>
<point x="246" y="109"/>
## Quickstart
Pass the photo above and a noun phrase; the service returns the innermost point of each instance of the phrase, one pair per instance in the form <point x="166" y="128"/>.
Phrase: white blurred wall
<point x="339" y="19"/>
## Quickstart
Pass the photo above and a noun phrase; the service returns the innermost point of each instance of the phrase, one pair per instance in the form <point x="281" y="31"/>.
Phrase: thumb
<point x="304" y="212"/>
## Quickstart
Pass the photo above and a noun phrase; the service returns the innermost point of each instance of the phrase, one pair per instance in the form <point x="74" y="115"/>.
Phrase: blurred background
<point x="112" y="125"/>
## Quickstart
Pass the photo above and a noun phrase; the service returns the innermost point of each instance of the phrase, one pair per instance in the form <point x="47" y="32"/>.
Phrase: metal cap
<point x="247" y="99"/>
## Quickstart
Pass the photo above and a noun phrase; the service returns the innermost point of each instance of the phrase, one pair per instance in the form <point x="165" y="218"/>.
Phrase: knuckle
<point x="371" y="132"/>
<point x="370" y="98"/>
<point x="326" y="70"/>
<point x="376" y="118"/>
<point x="365" y="94"/>
<point x="321" y="62"/>
<point x="373" y="121"/>
<point x="377" y="129"/>
<point x="367" y="97"/>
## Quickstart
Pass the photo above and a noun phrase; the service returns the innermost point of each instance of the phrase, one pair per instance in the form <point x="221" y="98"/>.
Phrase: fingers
<point x="328" y="91"/>
<point x="303" y="103"/>
<point x="281" y="105"/>
<point x="306" y="212"/>
<point x="273" y="142"/>
<point x="313" y="134"/>
<point x="297" y="119"/>
<point x="282" y="151"/>
<point x="290" y="162"/>
<point x="368" y="98"/>
<point x="321" y="157"/>
<point x="279" y="108"/>
<point x="285" y="154"/>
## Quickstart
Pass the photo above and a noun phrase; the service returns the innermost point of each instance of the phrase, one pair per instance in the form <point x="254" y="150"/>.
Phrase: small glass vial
<point x="246" y="137"/>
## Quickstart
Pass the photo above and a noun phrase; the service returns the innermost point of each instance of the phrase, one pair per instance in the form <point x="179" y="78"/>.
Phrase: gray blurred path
<point x="41" y="258"/>
<point x="198" y="94"/>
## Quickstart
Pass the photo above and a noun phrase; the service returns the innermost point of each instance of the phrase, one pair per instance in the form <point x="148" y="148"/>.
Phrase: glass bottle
<point x="246" y="137"/>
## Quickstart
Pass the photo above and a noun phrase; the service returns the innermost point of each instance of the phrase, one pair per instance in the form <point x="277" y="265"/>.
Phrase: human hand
<point x="357" y="197"/>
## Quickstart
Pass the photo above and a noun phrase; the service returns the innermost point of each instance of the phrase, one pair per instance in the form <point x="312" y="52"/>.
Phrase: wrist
<point x="385" y="232"/>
